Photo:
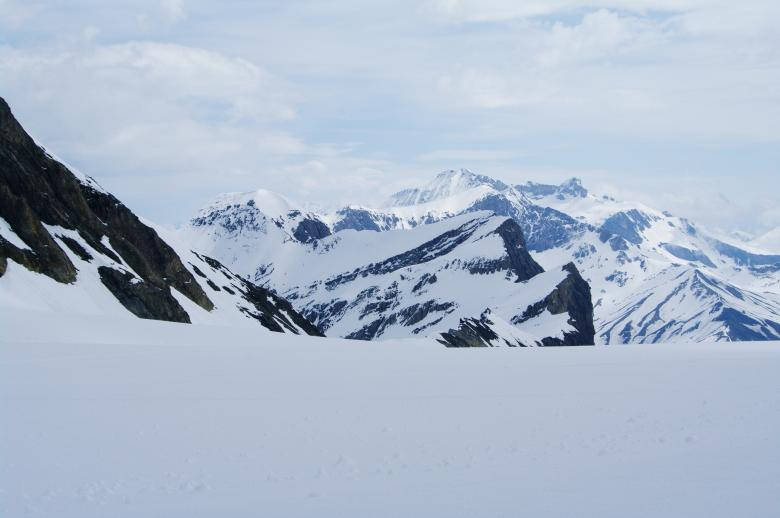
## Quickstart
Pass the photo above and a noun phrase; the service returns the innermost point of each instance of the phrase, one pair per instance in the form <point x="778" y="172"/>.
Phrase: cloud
<point x="468" y="155"/>
<point x="189" y="75"/>
<point x="170" y="102"/>
<point x="154" y="109"/>
<point x="480" y="11"/>
<point x="173" y="9"/>
<point x="14" y="13"/>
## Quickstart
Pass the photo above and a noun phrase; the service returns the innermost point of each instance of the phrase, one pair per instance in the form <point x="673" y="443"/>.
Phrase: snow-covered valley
<point x="105" y="416"/>
<point x="433" y="258"/>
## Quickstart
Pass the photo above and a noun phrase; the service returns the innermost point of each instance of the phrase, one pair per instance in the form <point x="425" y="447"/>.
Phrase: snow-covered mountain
<point x="465" y="258"/>
<point x="681" y="302"/>
<point x="457" y="192"/>
<point x="67" y="245"/>
<point x="621" y="248"/>
<point x="415" y="280"/>
<point x="629" y="249"/>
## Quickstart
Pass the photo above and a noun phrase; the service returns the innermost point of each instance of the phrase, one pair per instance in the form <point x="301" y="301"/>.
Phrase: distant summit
<point x="571" y="188"/>
<point x="258" y="212"/>
<point x="446" y="184"/>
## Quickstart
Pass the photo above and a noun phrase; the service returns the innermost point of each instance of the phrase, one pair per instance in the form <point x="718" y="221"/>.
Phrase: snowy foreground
<point x="106" y="418"/>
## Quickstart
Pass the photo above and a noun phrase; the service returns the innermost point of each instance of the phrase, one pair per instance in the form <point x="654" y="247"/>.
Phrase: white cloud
<point x="173" y="9"/>
<point x="189" y="75"/>
<point x="361" y="100"/>
<point x="459" y="156"/>
<point x="501" y="10"/>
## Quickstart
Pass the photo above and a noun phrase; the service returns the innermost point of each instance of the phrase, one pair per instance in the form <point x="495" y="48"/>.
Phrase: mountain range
<point x="464" y="259"/>
<point x="69" y="246"/>
<point x="653" y="276"/>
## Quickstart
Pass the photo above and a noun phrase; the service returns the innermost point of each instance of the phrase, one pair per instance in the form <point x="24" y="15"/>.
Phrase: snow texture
<point x="126" y="418"/>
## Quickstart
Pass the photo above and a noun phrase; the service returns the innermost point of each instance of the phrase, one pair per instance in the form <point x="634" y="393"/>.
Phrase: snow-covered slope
<point x="418" y="281"/>
<point x="621" y="248"/>
<point x="446" y="185"/>
<point x="683" y="303"/>
<point x="630" y="249"/>
<point x="123" y="418"/>
<point x="618" y="246"/>
<point x="262" y="212"/>
<point x="67" y="245"/>
<point x="457" y="192"/>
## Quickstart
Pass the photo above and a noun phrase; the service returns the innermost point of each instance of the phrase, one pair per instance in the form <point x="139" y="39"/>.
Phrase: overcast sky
<point x="168" y="102"/>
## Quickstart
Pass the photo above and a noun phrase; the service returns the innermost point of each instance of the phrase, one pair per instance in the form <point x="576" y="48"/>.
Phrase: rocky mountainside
<point x="418" y="281"/>
<point x="620" y="248"/>
<point x="67" y="244"/>
<point x="623" y="249"/>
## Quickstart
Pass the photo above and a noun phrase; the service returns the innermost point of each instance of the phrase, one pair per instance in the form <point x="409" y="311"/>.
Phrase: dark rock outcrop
<point x="36" y="189"/>
<point x="356" y="218"/>
<point x="310" y="229"/>
<point x="272" y="311"/>
<point x="517" y="260"/>
<point x="477" y="332"/>
<point x="572" y="296"/>
<point x="142" y="299"/>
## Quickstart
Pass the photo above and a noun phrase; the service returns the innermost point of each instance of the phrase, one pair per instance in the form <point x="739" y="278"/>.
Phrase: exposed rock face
<point x="35" y="189"/>
<point x="273" y="312"/>
<point x="571" y="296"/>
<point x="518" y="260"/>
<point x="310" y="229"/>
<point x="142" y="299"/>
<point x="427" y="279"/>
<point x="478" y="332"/>
<point x="46" y="206"/>
<point x="258" y="213"/>
<point x="356" y="218"/>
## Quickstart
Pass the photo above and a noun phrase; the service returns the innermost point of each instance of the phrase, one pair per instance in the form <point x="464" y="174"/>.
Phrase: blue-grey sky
<point x="168" y="102"/>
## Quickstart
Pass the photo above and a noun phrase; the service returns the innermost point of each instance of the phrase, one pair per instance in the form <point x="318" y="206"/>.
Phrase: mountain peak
<point x="571" y="188"/>
<point x="10" y="129"/>
<point x="268" y="202"/>
<point x="445" y="184"/>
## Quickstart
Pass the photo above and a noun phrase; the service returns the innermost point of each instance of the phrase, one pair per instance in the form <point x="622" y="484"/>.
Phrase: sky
<point x="167" y="103"/>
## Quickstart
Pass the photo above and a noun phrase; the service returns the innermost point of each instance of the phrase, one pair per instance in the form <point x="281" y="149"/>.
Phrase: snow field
<point x="117" y="417"/>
